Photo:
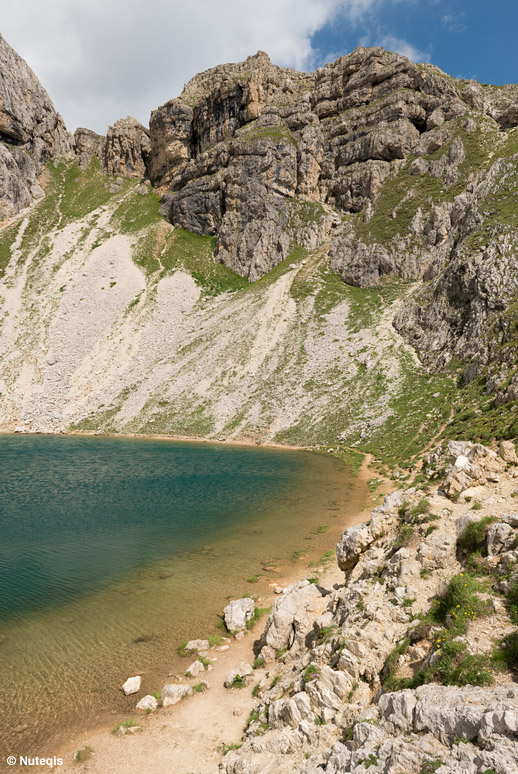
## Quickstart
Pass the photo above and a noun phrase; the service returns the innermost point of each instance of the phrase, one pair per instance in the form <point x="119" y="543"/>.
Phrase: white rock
<point x="244" y="671"/>
<point x="352" y="544"/>
<point x="237" y="613"/>
<point x="507" y="451"/>
<point x="147" y="703"/>
<point x="292" y="616"/>
<point x="500" y="537"/>
<point x="437" y="551"/>
<point x="174" y="692"/>
<point x="132" y="685"/>
<point x="511" y="519"/>
<point x="197" y="645"/>
<point x="195" y="669"/>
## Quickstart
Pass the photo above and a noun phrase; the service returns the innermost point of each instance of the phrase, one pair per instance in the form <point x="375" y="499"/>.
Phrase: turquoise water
<point x="77" y="513"/>
<point x="113" y="551"/>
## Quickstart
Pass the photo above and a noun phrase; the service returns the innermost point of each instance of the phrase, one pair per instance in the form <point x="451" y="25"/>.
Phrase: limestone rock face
<point x="246" y="144"/>
<point x="31" y="132"/>
<point x="291" y="617"/>
<point x="127" y="149"/>
<point x="398" y="169"/>
<point x="87" y="146"/>
<point x="470" y="464"/>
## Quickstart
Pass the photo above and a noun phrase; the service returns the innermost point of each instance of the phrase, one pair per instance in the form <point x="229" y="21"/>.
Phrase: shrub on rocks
<point x="474" y="538"/>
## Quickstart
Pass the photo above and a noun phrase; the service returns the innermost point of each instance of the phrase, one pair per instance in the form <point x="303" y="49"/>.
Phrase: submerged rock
<point x="132" y="685"/>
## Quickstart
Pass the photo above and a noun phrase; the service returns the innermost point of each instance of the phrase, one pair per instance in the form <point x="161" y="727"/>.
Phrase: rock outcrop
<point x="395" y="672"/>
<point x="127" y="148"/>
<point x="89" y="146"/>
<point x="396" y="168"/>
<point x="31" y="132"/>
<point x="404" y="170"/>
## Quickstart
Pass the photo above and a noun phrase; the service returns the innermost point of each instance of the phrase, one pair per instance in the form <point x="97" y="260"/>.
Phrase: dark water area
<point x="113" y="551"/>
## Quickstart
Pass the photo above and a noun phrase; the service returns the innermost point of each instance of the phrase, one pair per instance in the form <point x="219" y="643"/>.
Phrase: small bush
<point x="310" y="672"/>
<point x="475" y="536"/>
<point x="460" y="604"/>
<point x="506" y="655"/>
<point x="423" y="506"/>
<point x="512" y="602"/>
<point x="258" y="663"/>
<point x="326" y="633"/>
<point x="225" y="748"/>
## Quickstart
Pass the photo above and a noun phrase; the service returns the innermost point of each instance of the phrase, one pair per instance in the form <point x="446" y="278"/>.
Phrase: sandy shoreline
<point x="185" y="738"/>
<point x="172" y="438"/>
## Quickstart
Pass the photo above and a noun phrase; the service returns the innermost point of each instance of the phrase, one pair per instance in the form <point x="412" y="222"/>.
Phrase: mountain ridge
<point x="392" y="176"/>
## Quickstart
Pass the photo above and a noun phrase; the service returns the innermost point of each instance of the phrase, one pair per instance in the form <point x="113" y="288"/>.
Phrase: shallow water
<point x="113" y="551"/>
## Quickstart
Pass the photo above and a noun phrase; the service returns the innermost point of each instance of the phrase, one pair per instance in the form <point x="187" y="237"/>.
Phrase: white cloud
<point x="101" y="60"/>
<point x="455" y="22"/>
<point x="404" y="47"/>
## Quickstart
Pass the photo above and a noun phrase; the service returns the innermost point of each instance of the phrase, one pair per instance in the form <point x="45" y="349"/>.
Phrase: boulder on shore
<point x="237" y="614"/>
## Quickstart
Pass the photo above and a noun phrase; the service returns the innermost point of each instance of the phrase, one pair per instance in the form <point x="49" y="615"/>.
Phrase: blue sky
<point x="101" y="60"/>
<point x="475" y="39"/>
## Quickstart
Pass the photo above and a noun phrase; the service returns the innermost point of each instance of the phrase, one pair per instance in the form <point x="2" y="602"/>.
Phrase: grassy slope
<point x="415" y="405"/>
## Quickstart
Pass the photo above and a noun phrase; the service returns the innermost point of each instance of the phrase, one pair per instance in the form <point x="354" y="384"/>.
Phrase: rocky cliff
<point x="404" y="170"/>
<point x="31" y="132"/>
<point x="393" y="176"/>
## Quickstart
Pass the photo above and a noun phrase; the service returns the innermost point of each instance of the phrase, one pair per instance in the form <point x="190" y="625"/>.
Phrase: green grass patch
<point x="195" y="254"/>
<point x="512" y="602"/>
<point x="137" y="212"/>
<point x="7" y="238"/>
<point x="83" y="754"/>
<point x="258" y="613"/>
<point x="130" y="723"/>
<point x="452" y="664"/>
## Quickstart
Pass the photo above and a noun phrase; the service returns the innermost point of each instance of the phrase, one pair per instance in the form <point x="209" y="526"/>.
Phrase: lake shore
<point x="189" y="734"/>
<point x="351" y="493"/>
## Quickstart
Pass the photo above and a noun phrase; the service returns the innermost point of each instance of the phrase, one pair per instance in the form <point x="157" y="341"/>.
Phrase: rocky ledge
<point x="411" y="665"/>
